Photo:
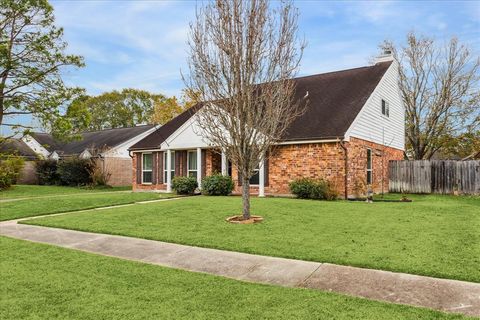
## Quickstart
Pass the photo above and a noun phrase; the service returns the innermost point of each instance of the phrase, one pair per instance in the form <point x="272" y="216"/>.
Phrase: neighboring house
<point x="19" y="148"/>
<point x="108" y="146"/>
<point x="352" y="127"/>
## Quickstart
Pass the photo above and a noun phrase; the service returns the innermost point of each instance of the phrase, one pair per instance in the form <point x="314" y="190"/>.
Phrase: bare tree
<point x="439" y="85"/>
<point x="243" y="55"/>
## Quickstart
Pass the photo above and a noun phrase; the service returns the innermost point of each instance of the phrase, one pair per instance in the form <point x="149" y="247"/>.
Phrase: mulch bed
<point x="238" y="219"/>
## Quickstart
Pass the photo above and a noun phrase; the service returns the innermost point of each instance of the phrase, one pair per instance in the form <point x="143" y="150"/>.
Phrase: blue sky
<point x="142" y="44"/>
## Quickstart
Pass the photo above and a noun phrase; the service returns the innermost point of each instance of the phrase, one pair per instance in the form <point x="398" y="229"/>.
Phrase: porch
<point x="155" y="169"/>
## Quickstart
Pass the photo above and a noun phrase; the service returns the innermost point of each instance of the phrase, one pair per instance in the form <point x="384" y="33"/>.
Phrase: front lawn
<point x="45" y="282"/>
<point x="434" y="235"/>
<point x="48" y="205"/>
<point x="29" y="191"/>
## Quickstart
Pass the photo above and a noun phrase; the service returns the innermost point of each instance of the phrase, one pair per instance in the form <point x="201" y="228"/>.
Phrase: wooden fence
<point x="434" y="176"/>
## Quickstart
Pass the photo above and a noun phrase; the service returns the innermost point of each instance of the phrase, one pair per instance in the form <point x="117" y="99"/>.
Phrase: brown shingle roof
<point x="334" y="101"/>
<point x="93" y="139"/>
<point x="17" y="147"/>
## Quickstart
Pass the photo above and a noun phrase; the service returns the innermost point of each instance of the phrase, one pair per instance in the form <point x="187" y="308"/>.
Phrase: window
<point x="192" y="164"/>
<point x="172" y="166"/>
<point x="369" y="166"/>
<point x="147" y="166"/>
<point x="385" y="108"/>
<point x="255" y="179"/>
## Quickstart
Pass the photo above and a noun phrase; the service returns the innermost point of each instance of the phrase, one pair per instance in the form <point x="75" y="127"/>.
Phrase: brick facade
<point x="313" y="160"/>
<point x="120" y="170"/>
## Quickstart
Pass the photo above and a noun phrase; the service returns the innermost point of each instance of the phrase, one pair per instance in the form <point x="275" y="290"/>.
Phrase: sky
<point x="142" y="44"/>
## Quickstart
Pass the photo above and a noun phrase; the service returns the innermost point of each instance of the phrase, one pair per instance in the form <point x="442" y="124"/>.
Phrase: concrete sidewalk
<point x="440" y="294"/>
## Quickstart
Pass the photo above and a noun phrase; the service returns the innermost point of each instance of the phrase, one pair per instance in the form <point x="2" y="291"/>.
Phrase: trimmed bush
<point x="75" y="172"/>
<point x="217" y="185"/>
<point x="306" y="188"/>
<point x="184" y="185"/>
<point x="47" y="172"/>
<point x="10" y="167"/>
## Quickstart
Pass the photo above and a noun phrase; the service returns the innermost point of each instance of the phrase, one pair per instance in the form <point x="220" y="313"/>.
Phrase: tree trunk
<point x="246" y="198"/>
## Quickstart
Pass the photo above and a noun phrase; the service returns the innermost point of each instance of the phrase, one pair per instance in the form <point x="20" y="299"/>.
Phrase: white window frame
<point x="143" y="168"/>
<point x="172" y="165"/>
<point x="370" y="170"/>
<point x="387" y="108"/>
<point x="188" y="163"/>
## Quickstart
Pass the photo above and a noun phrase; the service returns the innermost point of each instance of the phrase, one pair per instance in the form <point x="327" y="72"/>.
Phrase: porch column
<point x="261" y="182"/>
<point x="169" y="168"/>
<point x="224" y="164"/>
<point x="199" y="168"/>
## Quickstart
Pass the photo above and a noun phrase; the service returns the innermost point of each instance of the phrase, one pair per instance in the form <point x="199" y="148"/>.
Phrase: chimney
<point x="386" y="56"/>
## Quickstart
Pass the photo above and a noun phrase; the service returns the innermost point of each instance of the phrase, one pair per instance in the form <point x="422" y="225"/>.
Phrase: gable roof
<point x="334" y="101"/>
<point x="91" y="140"/>
<point x="17" y="147"/>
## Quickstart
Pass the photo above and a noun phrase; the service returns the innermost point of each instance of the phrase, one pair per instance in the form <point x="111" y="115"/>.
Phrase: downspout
<point x="342" y="144"/>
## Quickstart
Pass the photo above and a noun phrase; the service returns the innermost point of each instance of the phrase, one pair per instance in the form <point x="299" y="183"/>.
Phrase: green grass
<point x="434" y="235"/>
<point x="43" y="206"/>
<point x="28" y="191"/>
<point x="46" y="282"/>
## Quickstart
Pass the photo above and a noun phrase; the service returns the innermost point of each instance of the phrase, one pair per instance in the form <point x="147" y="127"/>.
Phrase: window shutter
<point x="154" y="167"/>
<point x="204" y="163"/>
<point x="178" y="154"/>
<point x="139" y="168"/>
<point x="160" y="168"/>
<point x="184" y="162"/>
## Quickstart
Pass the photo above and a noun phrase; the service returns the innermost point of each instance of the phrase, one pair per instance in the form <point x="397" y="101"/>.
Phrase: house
<point x="19" y="148"/>
<point x="109" y="146"/>
<point x="353" y="125"/>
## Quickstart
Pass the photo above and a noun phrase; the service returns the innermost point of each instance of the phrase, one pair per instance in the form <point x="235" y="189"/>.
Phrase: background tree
<point x="166" y="109"/>
<point x="236" y="45"/>
<point x="460" y="146"/>
<point x="440" y="89"/>
<point x="114" y="109"/>
<point x="32" y="58"/>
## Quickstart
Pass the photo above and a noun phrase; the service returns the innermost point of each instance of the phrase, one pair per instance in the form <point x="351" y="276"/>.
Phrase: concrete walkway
<point x="440" y="294"/>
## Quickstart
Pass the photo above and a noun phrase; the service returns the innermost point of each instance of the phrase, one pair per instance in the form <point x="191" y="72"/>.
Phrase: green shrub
<point x="306" y="188"/>
<point x="217" y="185"/>
<point x="10" y="168"/>
<point x="184" y="185"/>
<point x="75" y="171"/>
<point x="47" y="172"/>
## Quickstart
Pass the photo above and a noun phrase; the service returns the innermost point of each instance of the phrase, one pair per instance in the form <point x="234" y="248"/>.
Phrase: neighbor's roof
<point x="91" y="140"/>
<point x="334" y="101"/>
<point x="17" y="147"/>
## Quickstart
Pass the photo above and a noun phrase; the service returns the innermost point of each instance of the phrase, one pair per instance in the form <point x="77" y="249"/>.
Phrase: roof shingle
<point x="334" y="101"/>
<point x="91" y="140"/>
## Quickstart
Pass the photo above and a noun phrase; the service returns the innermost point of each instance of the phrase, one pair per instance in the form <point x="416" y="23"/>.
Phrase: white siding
<point x="186" y="137"/>
<point x="121" y="151"/>
<point x="36" y="146"/>
<point x="371" y="125"/>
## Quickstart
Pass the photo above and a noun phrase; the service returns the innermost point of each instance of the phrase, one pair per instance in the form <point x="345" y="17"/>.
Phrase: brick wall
<point x="213" y="162"/>
<point x="327" y="161"/>
<point x="290" y="162"/>
<point x="120" y="170"/>
<point x="357" y="176"/>
<point x="315" y="160"/>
